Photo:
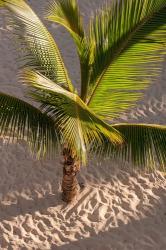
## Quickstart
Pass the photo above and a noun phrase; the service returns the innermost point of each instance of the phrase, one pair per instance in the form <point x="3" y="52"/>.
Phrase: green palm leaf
<point x="39" y="49"/>
<point x="77" y="125"/>
<point x="129" y="44"/>
<point x="67" y="14"/>
<point x="20" y="120"/>
<point x="145" y="145"/>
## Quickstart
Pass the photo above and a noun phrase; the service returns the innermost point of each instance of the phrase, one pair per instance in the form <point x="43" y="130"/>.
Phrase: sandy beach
<point x="118" y="208"/>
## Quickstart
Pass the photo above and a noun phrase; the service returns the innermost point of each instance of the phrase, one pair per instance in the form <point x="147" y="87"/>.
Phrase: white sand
<point x="117" y="210"/>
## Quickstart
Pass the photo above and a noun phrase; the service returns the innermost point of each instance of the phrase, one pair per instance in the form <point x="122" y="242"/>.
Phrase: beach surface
<point x="117" y="209"/>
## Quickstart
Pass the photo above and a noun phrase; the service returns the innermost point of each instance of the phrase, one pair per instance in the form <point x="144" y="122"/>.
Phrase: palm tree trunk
<point x="71" y="167"/>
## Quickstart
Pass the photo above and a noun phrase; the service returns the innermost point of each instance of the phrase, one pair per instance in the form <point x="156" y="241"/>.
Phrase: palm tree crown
<point x="123" y="48"/>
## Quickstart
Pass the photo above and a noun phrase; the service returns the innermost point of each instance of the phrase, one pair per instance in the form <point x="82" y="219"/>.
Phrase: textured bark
<point x="71" y="167"/>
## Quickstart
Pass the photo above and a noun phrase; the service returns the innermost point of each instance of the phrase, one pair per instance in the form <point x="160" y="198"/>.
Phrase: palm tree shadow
<point x="28" y="186"/>
<point x="147" y="233"/>
<point x="24" y="206"/>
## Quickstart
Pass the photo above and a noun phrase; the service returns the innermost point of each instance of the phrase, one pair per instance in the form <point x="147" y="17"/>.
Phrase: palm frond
<point x="38" y="48"/>
<point x="67" y="14"/>
<point x="129" y="45"/>
<point x="20" y="120"/>
<point x="77" y="125"/>
<point x="144" y="145"/>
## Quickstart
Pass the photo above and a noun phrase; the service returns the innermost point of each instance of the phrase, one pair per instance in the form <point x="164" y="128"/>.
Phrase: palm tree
<point x="123" y="48"/>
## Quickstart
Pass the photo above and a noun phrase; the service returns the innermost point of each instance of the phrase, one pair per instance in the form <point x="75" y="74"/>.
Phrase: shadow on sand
<point x="147" y="233"/>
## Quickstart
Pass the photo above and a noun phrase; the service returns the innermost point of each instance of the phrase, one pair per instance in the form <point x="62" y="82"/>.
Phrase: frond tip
<point x="145" y="145"/>
<point x="20" y="120"/>
<point x="67" y="13"/>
